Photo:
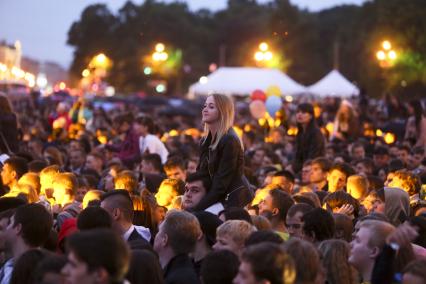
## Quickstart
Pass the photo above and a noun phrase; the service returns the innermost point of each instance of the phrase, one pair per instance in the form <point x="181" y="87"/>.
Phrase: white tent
<point x="333" y="84"/>
<point x="244" y="80"/>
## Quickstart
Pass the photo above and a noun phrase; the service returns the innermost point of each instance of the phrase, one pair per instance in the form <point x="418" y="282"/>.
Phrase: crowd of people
<point x="320" y="195"/>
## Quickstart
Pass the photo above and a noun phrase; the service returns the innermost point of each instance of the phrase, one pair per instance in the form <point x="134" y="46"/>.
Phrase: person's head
<point x="357" y="187"/>
<point x="368" y="243"/>
<point x="381" y="157"/>
<point x="306" y="259"/>
<point x="276" y="202"/>
<point x="31" y="179"/>
<point x="93" y="217"/>
<point x="407" y="181"/>
<point x="94" y="161"/>
<point x="64" y="188"/>
<point x="375" y="201"/>
<point x="404" y="153"/>
<point x="344" y="227"/>
<point x="219" y="267"/>
<point x="47" y="176"/>
<point x="304" y="113"/>
<point x="77" y="158"/>
<point x="232" y="234"/>
<point x="144" y="268"/>
<point x="178" y="233"/>
<point x="338" y="175"/>
<point x="415" y="272"/>
<point x="151" y="164"/>
<point x="96" y="256"/>
<point x="336" y="200"/>
<point x="197" y="186"/>
<point x="416" y="157"/>
<point x="318" y="225"/>
<point x="364" y="166"/>
<point x="319" y="170"/>
<point x="123" y="122"/>
<point x="31" y="224"/>
<point x="265" y="263"/>
<point x="397" y="205"/>
<point x="119" y="205"/>
<point x="53" y="156"/>
<point x="293" y="222"/>
<point x="24" y="268"/>
<point x="175" y="168"/>
<point x="284" y="179"/>
<point x="48" y="270"/>
<point x="13" y="169"/>
<point x="263" y="236"/>
<point x="235" y="213"/>
<point x="357" y="151"/>
<point x="218" y="110"/>
<point x="335" y="255"/>
<point x="208" y="223"/>
<point x="36" y="166"/>
<point x="126" y="180"/>
<point x="144" y="125"/>
<point x="306" y="172"/>
<point x="168" y="191"/>
<point x="90" y="196"/>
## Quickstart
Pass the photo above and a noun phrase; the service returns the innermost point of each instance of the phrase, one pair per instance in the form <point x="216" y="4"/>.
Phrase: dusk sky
<point x="42" y="25"/>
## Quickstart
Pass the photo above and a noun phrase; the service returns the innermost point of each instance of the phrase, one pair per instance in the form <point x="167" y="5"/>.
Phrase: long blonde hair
<point x="225" y="107"/>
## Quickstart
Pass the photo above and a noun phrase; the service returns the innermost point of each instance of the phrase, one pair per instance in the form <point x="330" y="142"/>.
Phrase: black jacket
<point x="310" y="144"/>
<point x="225" y="166"/>
<point x="180" y="270"/>
<point x="9" y="129"/>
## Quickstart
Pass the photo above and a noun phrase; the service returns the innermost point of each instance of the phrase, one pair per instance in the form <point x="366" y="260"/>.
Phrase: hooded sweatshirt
<point x="397" y="205"/>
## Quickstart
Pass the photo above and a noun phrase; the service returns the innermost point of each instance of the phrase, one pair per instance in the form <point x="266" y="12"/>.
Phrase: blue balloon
<point x="273" y="104"/>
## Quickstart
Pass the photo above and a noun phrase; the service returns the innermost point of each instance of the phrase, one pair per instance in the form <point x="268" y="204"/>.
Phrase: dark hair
<point x="93" y="217"/>
<point x="36" y="166"/>
<point x="144" y="268"/>
<point x="344" y="227"/>
<point x="395" y="165"/>
<point x="284" y="173"/>
<point x="367" y="162"/>
<point x="122" y="118"/>
<point x="420" y="223"/>
<point x="146" y="121"/>
<point x="7" y="203"/>
<point x="219" y="267"/>
<point x="236" y="213"/>
<point x="318" y="224"/>
<point x="338" y="199"/>
<point x="154" y="160"/>
<point x="200" y="176"/>
<point x="282" y="201"/>
<point x="101" y="248"/>
<point x="323" y="163"/>
<point x="17" y="164"/>
<point x="175" y="162"/>
<point x="270" y="262"/>
<point x="35" y="222"/>
<point x="24" y="269"/>
<point x="263" y="236"/>
<point x="5" y="105"/>
<point x="344" y="168"/>
<point x="51" y="263"/>
<point x="120" y="199"/>
<point x="299" y="207"/>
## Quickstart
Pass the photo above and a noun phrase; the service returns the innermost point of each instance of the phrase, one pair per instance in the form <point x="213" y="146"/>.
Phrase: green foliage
<point x="305" y="45"/>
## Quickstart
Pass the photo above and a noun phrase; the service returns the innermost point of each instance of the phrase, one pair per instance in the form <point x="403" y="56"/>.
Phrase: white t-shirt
<point x="153" y="145"/>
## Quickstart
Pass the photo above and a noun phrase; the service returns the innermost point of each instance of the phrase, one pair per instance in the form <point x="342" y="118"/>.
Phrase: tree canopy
<point x="309" y="44"/>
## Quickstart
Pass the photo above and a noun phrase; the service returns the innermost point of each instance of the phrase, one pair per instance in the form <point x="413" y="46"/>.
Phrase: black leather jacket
<point x="225" y="166"/>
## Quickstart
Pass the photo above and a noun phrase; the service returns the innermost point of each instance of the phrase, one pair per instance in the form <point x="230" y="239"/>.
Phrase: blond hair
<point x="358" y="184"/>
<point x="379" y="231"/>
<point x="238" y="230"/>
<point x="225" y="107"/>
<point x="31" y="179"/>
<point x="68" y="180"/>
